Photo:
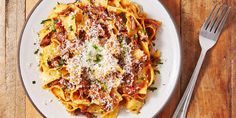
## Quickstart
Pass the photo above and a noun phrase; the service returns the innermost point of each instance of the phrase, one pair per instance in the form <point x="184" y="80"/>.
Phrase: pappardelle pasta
<point x="98" y="55"/>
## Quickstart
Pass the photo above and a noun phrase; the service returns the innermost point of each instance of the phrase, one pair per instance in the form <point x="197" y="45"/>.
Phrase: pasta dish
<point x="97" y="56"/>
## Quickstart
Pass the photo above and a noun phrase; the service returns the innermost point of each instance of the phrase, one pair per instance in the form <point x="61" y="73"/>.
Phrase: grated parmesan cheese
<point x="99" y="62"/>
<point x="128" y="60"/>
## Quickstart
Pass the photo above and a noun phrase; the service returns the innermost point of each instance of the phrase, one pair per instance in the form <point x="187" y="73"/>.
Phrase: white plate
<point x="45" y="102"/>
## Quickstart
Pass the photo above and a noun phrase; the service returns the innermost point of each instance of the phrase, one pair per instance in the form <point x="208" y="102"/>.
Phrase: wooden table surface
<point x="215" y="92"/>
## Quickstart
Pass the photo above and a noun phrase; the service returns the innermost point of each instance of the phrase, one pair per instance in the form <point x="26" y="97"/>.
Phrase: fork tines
<point x="217" y="18"/>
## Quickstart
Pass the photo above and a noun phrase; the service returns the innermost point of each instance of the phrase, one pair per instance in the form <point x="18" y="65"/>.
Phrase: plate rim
<point x="19" y="48"/>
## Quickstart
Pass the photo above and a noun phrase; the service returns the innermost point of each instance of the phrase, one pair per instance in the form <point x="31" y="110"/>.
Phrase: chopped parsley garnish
<point x="144" y="31"/>
<point x="54" y="30"/>
<point x="139" y="81"/>
<point x="120" y="38"/>
<point x="153" y="82"/>
<point x="98" y="58"/>
<point x="159" y="62"/>
<point x="152" y="88"/>
<point x="93" y="116"/>
<point x="97" y="82"/>
<point x="73" y="17"/>
<point x="123" y="15"/>
<point x="121" y="45"/>
<point x="136" y="36"/>
<point x="43" y="21"/>
<point x="56" y="21"/>
<point x="52" y="26"/>
<point x="142" y="78"/>
<point x="61" y="62"/>
<point x="104" y="87"/>
<point x="36" y="52"/>
<point x="89" y="60"/>
<point x="33" y="82"/>
<point x="95" y="47"/>
<point x="157" y="71"/>
<point x="58" y="3"/>
<point x="71" y="28"/>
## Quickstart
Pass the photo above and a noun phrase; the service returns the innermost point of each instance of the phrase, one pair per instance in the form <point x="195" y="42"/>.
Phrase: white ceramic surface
<point x="167" y="42"/>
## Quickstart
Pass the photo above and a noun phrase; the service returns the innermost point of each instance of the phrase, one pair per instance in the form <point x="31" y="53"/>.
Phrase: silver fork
<point x="208" y="37"/>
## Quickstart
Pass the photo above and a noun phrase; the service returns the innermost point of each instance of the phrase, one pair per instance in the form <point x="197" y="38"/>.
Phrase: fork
<point x="208" y="37"/>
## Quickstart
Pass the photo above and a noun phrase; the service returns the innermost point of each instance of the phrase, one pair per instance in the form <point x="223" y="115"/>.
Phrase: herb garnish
<point x="52" y="26"/>
<point x="120" y="38"/>
<point x="61" y="62"/>
<point x="98" y="58"/>
<point x="159" y="62"/>
<point x="136" y="36"/>
<point x="71" y="28"/>
<point x="73" y="17"/>
<point x="144" y="31"/>
<point x="56" y="21"/>
<point x="123" y="15"/>
<point x="54" y="30"/>
<point x="104" y="87"/>
<point x="157" y="71"/>
<point x="43" y="21"/>
<point x="95" y="47"/>
<point x="142" y="78"/>
<point x="36" y="52"/>
<point x="93" y="116"/>
<point x="152" y="88"/>
<point x="153" y="82"/>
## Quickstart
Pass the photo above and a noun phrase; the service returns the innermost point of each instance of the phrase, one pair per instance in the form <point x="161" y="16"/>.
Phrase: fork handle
<point x="182" y="107"/>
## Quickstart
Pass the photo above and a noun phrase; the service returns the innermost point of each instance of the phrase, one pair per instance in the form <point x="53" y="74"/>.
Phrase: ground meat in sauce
<point x="46" y="40"/>
<point x="66" y="84"/>
<point x="120" y="22"/>
<point x="104" y="15"/>
<point x="105" y="32"/>
<point x="84" y="74"/>
<point x="61" y="29"/>
<point x="66" y="11"/>
<point x="139" y="64"/>
<point x="55" y="82"/>
<point x="54" y="62"/>
<point x="93" y="12"/>
<point x="60" y="37"/>
<point x="121" y="62"/>
<point x="82" y="35"/>
<point x="89" y="115"/>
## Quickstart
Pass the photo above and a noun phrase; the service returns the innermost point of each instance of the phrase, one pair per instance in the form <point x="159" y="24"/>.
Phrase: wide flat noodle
<point x="133" y="105"/>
